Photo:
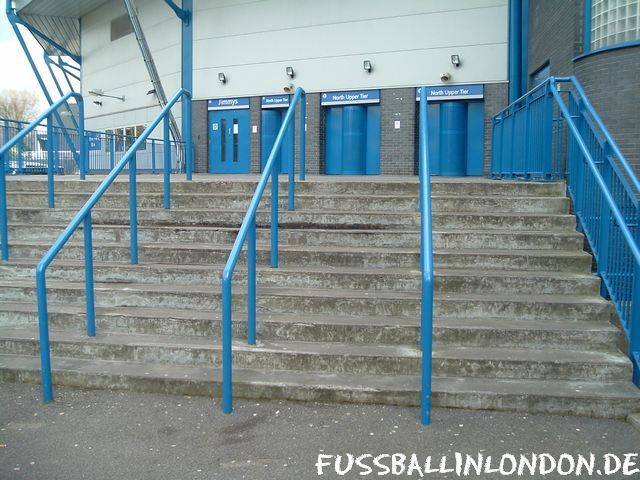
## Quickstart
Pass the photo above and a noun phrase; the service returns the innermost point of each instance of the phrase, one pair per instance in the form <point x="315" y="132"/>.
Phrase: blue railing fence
<point x="83" y="218"/>
<point x="247" y="233"/>
<point x="13" y="144"/>
<point x="104" y="151"/>
<point x="603" y="186"/>
<point x="426" y="261"/>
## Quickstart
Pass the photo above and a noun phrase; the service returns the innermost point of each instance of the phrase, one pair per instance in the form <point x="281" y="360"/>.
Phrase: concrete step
<point x="362" y="257"/>
<point x="576" y="334"/>
<point x="384" y="185"/>
<point x="329" y="357"/>
<point x="460" y="239"/>
<point x="337" y="202"/>
<point x="305" y="301"/>
<point x="305" y="219"/>
<point x="372" y="279"/>
<point x="599" y="399"/>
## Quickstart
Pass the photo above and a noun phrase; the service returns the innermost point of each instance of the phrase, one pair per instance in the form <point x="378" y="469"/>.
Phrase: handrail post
<point x="50" y="159"/>
<point x="4" y="235"/>
<point x="83" y="143"/>
<point x="133" y="210"/>
<point x="303" y="136"/>
<point x="88" y="273"/>
<point x="43" y="329"/>
<point x="251" y="283"/>
<point x="227" y="333"/>
<point x="291" y="184"/>
<point x="605" y="224"/>
<point x="112" y="152"/>
<point x="167" y="162"/>
<point x="274" y="216"/>
<point x="186" y="100"/>
<point x="426" y="306"/>
<point x="153" y="156"/>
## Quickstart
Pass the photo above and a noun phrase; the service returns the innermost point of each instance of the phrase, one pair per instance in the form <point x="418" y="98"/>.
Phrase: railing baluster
<point x="227" y="337"/>
<point x="166" y="163"/>
<point x="43" y="331"/>
<point x="88" y="274"/>
<point x="133" y="210"/>
<point x="153" y="156"/>
<point x="251" y="283"/>
<point x="50" y="160"/>
<point x="274" y="217"/>
<point x="4" y="235"/>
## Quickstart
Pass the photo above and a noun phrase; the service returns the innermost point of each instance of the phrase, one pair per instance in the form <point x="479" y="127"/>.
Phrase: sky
<point x="16" y="72"/>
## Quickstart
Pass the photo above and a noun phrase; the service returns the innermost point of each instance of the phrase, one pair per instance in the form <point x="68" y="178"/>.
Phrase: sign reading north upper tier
<point x="453" y="92"/>
<point x="228" y="103"/>
<point x="353" y="97"/>
<point x="275" y="101"/>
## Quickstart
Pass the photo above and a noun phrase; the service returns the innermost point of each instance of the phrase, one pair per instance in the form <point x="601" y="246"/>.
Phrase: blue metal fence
<point x="602" y="185"/>
<point x="247" y="233"/>
<point x="83" y="217"/>
<point x="30" y="155"/>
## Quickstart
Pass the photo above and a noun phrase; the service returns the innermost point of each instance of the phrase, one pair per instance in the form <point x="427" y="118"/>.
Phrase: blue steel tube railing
<point x="84" y="217"/>
<point x="604" y="188"/>
<point x="426" y="262"/>
<point x="247" y="233"/>
<point x="46" y="115"/>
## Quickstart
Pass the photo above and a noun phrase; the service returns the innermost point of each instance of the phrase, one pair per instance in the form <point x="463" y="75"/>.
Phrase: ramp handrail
<point x="247" y="233"/>
<point x="46" y="115"/>
<point x="84" y="217"/>
<point x="426" y="261"/>
<point x="604" y="188"/>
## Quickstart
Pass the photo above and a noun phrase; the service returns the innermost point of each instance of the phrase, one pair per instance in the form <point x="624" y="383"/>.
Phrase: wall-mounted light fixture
<point x="97" y="92"/>
<point x="367" y="66"/>
<point x="290" y="72"/>
<point x="222" y="78"/>
<point x="98" y="103"/>
<point x="455" y="60"/>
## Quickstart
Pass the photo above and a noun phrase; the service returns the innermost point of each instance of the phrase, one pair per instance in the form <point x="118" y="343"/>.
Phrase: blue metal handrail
<point x="46" y="115"/>
<point x="84" y="217"/>
<point x="247" y="233"/>
<point x="603" y="186"/>
<point x="426" y="262"/>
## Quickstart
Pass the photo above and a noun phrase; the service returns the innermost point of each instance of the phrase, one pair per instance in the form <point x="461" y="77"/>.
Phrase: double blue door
<point x="353" y="140"/>
<point x="229" y="141"/>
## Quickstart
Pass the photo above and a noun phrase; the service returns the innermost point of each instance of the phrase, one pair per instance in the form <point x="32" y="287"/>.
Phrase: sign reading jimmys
<point x="350" y="98"/>
<point x="228" y="103"/>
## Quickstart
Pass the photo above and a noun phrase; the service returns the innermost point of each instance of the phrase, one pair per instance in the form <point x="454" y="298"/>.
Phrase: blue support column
<point x="187" y="81"/>
<point x="586" y="31"/>
<point x="524" y="48"/>
<point x="515" y="49"/>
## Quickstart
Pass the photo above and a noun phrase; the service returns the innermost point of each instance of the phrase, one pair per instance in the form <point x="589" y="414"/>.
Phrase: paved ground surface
<point x="121" y="435"/>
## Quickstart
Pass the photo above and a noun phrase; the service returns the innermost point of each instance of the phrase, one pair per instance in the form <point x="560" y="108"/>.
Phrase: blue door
<point x="229" y="141"/>
<point x="353" y="140"/>
<point x="271" y="122"/>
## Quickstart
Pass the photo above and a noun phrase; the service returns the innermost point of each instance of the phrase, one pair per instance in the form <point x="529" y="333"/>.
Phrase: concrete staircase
<point x="519" y="323"/>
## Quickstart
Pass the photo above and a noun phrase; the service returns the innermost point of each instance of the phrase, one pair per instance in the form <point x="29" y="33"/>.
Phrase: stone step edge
<point x="471" y="323"/>
<point x="317" y="292"/>
<point x="606" y="400"/>
<point x="334" y="349"/>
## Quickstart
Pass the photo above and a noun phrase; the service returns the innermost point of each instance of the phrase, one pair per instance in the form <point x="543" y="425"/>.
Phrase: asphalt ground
<point x="122" y="435"/>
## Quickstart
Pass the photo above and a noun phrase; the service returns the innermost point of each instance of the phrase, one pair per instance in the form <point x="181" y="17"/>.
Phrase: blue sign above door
<point x="353" y="97"/>
<point x="275" y="101"/>
<point x="453" y="92"/>
<point x="228" y="103"/>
